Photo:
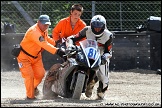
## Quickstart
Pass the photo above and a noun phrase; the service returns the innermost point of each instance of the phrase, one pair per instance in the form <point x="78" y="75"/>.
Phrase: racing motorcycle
<point x="70" y="79"/>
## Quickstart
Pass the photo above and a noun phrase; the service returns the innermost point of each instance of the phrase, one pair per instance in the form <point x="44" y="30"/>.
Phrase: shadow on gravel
<point x="57" y="100"/>
<point x="21" y="101"/>
<point x="141" y="71"/>
<point x="70" y="100"/>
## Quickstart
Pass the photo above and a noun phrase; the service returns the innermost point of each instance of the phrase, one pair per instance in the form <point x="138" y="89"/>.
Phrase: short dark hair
<point x="77" y="7"/>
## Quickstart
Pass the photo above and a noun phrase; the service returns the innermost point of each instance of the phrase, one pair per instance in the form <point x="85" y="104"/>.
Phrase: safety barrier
<point x="131" y="50"/>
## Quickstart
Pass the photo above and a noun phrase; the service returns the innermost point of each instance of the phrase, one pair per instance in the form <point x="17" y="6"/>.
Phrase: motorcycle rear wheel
<point x="47" y="90"/>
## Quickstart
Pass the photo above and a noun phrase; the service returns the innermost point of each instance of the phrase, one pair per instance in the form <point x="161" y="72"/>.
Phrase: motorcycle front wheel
<point x="79" y="86"/>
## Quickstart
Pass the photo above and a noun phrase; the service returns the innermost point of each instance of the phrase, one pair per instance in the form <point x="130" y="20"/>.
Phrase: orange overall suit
<point x="63" y="29"/>
<point x="30" y="58"/>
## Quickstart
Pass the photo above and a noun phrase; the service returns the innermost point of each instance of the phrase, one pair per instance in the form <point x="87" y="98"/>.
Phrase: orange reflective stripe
<point x="109" y="47"/>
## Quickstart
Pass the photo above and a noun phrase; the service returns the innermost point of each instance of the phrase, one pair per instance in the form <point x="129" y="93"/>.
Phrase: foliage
<point x="120" y="15"/>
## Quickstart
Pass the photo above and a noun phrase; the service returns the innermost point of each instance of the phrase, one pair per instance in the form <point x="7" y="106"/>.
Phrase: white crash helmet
<point x="98" y="25"/>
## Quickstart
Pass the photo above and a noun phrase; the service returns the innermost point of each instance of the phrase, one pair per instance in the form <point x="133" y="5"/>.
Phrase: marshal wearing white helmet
<point x="99" y="32"/>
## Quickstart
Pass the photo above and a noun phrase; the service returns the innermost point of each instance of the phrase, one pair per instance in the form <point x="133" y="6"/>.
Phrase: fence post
<point x="93" y="8"/>
<point x="23" y="12"/>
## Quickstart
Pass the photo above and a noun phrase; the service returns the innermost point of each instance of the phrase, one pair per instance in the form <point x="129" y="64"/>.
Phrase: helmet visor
<point x="97" y="29"/>
<point x="97" y="24"/>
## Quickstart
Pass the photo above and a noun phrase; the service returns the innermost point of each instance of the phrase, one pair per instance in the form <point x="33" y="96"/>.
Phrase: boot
<point x="27" y="98"/>
<point x="90" y="86"/>
<point x="101" y="91"/>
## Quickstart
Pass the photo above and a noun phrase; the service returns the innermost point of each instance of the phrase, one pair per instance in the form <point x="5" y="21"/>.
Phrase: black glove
<point x="60" y="52"/>
<point x="103" y="60"/>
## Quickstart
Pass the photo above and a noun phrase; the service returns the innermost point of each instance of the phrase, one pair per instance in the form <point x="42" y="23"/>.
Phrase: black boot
<point x="101" y="91"/>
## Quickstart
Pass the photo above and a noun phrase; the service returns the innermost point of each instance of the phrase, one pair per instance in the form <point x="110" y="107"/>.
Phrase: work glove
<point x="108" y="55"/>
<point x="103" y="60"/>
<point x="69" y="41"/>
<point x="61" y="52"/>
<point x="71" y="47"/>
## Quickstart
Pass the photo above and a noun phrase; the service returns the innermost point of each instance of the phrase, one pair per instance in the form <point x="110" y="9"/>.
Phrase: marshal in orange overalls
<point x="32" y="69"/>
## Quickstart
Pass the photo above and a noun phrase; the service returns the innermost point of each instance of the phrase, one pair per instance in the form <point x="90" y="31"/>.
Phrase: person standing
<point x="30" y="63"/>
<point x="70" y="25"/>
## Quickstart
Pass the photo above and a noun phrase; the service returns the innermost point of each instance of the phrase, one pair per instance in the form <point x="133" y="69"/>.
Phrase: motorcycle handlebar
<point x="71" y="52"/>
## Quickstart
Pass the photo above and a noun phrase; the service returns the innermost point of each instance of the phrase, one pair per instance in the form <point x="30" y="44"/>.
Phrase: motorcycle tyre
<point x="47" y="92"/>
<point x="79" y="86"/>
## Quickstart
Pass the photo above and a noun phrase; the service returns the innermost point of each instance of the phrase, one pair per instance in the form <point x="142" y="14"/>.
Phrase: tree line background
<point x="120" y="15"/>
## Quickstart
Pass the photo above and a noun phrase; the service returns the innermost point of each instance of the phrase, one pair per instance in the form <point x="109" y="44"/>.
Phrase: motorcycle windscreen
<point x="91" y="52"/>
